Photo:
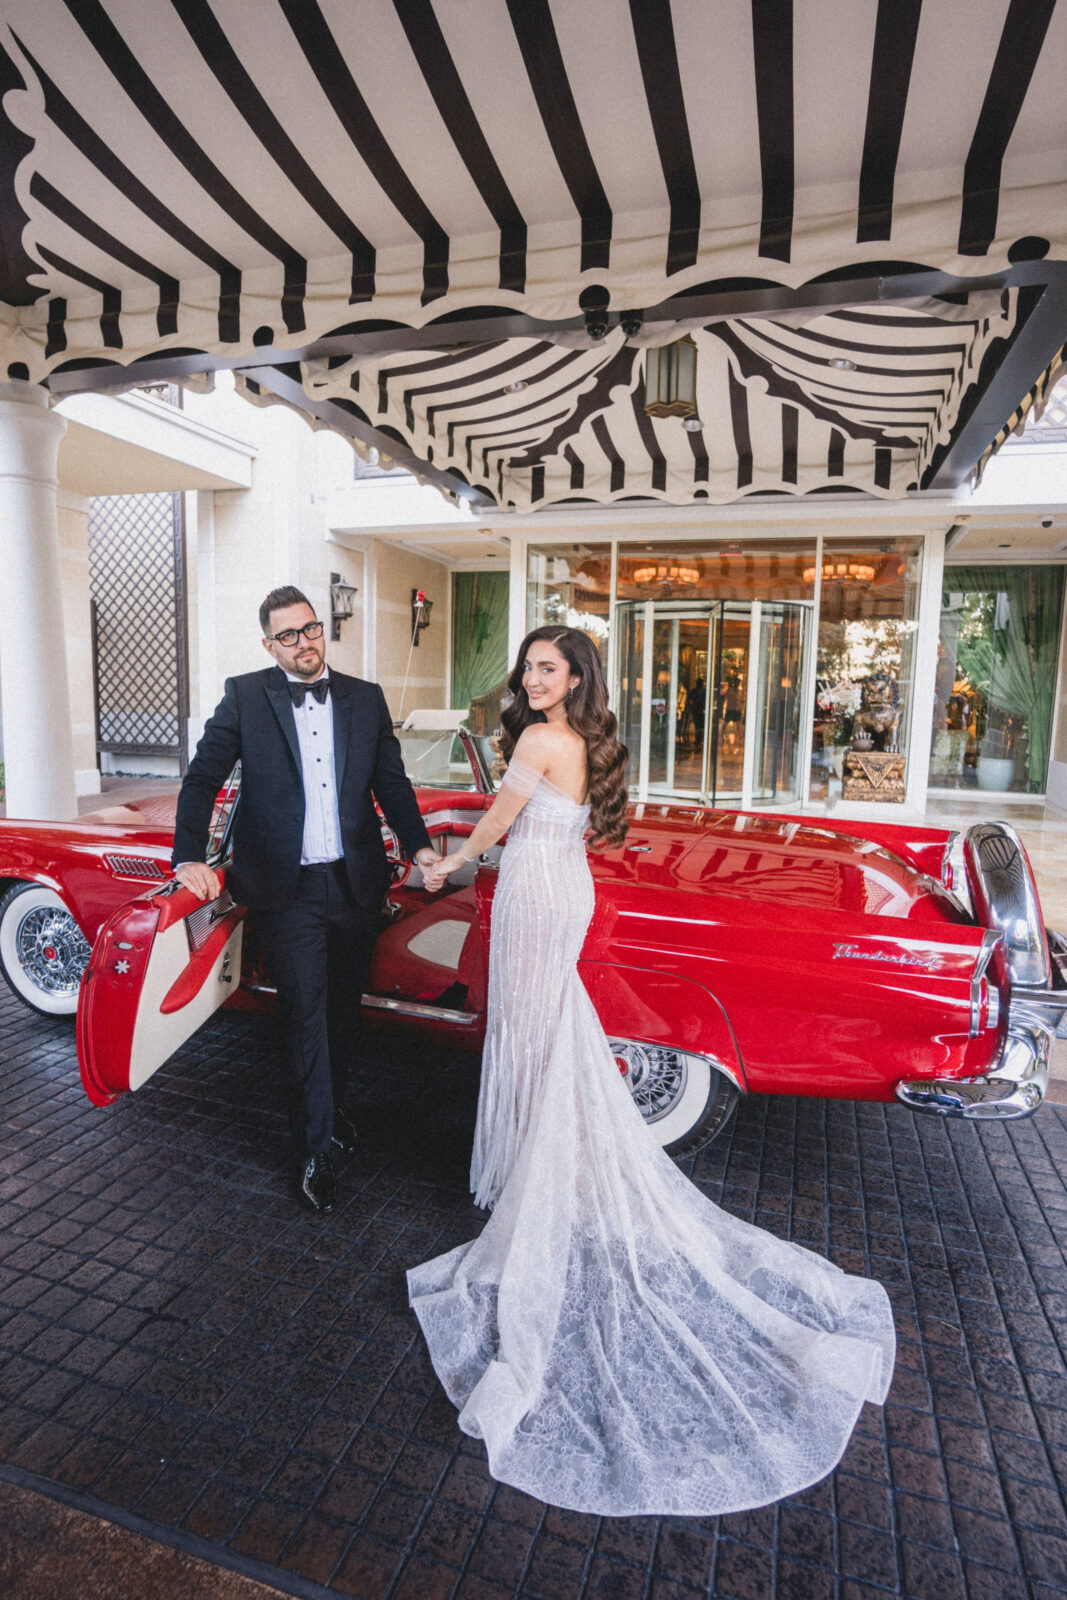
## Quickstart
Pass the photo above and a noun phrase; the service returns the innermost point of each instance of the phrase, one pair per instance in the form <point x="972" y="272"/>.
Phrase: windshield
<point x="438" y="760"/>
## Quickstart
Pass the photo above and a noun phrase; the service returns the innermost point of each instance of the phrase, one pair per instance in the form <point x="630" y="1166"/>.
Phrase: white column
<point x="38" y="747"/>
<point x="517" y="628"/>
<point x="924" y="670"/>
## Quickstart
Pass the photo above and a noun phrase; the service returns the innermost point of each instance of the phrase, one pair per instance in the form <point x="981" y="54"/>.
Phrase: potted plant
<point x="996" y="758"/>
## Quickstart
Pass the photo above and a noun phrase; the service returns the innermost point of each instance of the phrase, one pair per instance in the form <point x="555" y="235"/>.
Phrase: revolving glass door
<point x="710" y="699"/>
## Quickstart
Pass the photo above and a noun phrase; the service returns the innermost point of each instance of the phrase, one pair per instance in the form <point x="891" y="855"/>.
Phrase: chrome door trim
<point x="415" y="1008"/>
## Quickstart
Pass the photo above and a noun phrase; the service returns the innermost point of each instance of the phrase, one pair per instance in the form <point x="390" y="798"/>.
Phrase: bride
<point x="621" y="1345"/>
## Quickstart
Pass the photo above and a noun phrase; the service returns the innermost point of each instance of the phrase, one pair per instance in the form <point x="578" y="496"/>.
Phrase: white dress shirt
<point x="314" y="732"/>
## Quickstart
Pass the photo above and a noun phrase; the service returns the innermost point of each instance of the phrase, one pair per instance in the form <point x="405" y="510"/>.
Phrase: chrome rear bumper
<point x="1014" y="1087"/>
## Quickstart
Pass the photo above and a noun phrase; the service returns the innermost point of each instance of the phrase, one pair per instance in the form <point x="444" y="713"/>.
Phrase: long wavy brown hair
<point x="588" y="713"/>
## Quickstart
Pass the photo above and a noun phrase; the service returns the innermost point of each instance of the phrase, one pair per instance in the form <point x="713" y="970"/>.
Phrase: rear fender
<point x="660" y="1008"/>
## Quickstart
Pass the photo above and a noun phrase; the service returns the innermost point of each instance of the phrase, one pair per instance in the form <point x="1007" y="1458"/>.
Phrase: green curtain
<point x="479" y="634"/>
<point x="1015" y="663"/>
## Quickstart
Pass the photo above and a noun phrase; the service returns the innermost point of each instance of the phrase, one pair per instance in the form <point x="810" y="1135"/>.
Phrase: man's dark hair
<point x="278" y="600"/>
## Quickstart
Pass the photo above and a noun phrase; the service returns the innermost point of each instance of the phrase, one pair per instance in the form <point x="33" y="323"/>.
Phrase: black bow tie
<point x="297" y="691"/>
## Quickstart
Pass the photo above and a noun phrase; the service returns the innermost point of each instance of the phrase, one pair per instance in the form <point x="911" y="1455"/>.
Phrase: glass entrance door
<point x="710" y="699"/>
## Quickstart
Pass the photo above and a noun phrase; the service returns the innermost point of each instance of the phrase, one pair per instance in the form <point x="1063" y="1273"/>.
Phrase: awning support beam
<point x="481" y="329"/>
<point x="341" y="420"/>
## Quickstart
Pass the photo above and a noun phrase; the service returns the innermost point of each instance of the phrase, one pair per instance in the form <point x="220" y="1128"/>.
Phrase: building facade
<point x="736" y="640"/>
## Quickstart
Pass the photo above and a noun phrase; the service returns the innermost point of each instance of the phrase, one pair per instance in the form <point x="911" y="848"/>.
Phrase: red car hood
<point x="783" y="861"/>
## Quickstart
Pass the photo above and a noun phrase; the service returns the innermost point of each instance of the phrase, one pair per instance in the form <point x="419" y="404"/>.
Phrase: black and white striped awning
<point x="285" y="183"/>
<point x="859" y="399"/>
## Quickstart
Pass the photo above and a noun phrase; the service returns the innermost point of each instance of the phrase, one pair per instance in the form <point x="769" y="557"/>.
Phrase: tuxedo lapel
<point x="282" y="706"/>
<point x="341" y="700"/>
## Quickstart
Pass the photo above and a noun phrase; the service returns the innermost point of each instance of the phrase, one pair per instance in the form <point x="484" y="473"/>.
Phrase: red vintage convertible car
<point x="729" y="952"/>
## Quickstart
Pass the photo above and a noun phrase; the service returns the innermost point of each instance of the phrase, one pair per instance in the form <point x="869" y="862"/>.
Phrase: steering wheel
<point x="399" y="865"/>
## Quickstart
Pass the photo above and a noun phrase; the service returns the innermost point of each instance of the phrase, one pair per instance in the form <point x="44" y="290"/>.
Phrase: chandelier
<point x="666" y="572"/>
<point x="841" y="572"/>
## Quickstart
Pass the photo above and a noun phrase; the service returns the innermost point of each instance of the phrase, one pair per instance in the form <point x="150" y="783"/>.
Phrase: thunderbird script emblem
<point x="893" y="958"/>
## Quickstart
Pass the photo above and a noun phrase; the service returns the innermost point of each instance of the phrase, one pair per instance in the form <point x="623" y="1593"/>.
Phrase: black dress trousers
<point x="319" y="949"/>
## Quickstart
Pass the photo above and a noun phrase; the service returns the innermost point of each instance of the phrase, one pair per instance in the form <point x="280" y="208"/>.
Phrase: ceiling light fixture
<point x="517" y="387"/>
<point x="843" y="364"/>
<point x="671" y="379"/>
<point x="841" y="572"/>
<point x="692" y="424"/>
<point x="666" y="572"/>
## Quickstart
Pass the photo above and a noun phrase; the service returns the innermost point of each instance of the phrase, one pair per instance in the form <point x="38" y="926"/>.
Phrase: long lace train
<point x="621" y="1344"/>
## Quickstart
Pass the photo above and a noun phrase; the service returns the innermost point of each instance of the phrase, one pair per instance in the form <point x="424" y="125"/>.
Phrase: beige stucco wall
<point x="250" y="541"/>
<point x="396" y="573"/>
<point x="258" y="538"/>
<point x="346" y="653"/>
<point x="244" y="542"/>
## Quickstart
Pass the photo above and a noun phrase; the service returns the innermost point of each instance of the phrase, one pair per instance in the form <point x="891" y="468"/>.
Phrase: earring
<point x="570" y="691"/>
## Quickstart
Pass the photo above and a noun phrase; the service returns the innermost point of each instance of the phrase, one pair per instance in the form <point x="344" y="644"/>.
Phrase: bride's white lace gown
<point x="621" y="1344"/>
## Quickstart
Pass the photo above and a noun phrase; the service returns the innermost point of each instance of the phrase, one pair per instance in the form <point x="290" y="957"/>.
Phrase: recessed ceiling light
<point x="692" y="424"/>
<point x="843" y="364"/>
<point x="517" y="387"/>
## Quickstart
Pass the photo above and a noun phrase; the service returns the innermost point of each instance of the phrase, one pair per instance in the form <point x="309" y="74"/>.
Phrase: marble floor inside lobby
<point x="1043" y="830"/>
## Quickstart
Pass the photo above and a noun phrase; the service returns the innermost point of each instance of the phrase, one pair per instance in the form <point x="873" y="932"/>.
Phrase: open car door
<point x="160" y="967"/>
<point x="428" y="962"/>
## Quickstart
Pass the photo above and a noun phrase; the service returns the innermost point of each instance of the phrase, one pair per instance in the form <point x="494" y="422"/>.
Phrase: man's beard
<point x="308" y="669"/>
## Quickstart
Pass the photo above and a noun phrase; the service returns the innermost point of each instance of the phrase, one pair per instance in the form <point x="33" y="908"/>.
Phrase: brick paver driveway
<point x="190" y="1353"/>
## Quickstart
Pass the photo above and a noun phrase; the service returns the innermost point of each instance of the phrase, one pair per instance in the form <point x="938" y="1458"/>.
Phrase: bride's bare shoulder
<point x="536" y="742"/>
<point x="544" y="742"/>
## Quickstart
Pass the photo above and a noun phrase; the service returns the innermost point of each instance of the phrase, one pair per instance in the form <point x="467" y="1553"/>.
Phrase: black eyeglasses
<point x="289" y="636"/>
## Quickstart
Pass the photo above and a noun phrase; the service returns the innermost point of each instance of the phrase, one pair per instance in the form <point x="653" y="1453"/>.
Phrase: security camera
<point x="1046" y="522"/>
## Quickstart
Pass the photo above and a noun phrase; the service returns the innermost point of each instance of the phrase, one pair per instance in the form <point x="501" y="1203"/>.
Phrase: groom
<point x="316" y="748"/>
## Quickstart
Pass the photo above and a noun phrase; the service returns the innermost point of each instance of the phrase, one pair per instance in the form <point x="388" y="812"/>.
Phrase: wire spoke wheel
<point x="52" y="950"/>
<point x="658" y="1078"/>
<point x="43" y="951"/>
<point x="683" y="1097"/>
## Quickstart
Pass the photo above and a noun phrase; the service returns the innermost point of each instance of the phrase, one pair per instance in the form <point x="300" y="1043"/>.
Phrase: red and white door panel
<point x="160" y="967"/>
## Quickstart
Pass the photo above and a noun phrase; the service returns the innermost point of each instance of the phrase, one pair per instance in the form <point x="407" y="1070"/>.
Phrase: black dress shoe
<point x="315" y="1183"/>
<point x="344" y="1132"/>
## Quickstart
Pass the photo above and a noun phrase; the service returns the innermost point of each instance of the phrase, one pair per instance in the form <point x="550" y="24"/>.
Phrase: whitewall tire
<point x="43" y="952"/>
<point x="684" y="1098"/>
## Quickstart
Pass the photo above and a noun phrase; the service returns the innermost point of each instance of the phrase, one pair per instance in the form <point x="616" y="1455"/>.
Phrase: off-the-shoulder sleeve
<point x="521" y="777"/>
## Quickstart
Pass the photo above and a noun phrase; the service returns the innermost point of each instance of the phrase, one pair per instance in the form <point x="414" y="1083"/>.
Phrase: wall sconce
<point x="342" y="596"/>
<point x="420" y="613"/>
<point x="671" y="379"/>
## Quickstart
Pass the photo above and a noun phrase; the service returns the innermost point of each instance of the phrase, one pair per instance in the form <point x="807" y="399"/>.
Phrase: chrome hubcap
<point x="656" y="1076"/>
<point x="52" y="951"/>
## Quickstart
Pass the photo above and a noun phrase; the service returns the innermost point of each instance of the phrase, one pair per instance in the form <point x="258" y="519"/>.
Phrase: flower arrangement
<point x="837" y="704"/>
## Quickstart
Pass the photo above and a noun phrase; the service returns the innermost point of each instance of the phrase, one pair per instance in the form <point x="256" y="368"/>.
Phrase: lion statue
<point x="879" y="713"/>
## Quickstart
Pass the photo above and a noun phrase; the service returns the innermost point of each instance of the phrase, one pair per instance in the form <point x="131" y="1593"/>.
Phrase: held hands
<point x="199" y="880"/>
<point x="434" y="876"/>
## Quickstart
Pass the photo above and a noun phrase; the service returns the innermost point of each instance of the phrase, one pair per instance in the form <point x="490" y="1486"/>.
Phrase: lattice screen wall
<point x="136" y="578"/>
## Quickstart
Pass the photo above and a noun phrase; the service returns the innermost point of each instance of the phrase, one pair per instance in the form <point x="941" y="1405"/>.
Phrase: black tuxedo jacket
<point x="254" y="723"/>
